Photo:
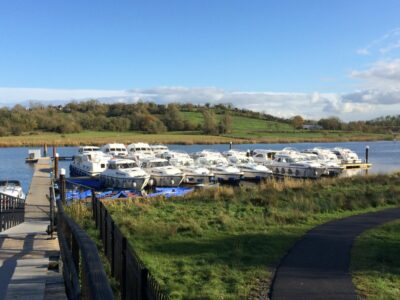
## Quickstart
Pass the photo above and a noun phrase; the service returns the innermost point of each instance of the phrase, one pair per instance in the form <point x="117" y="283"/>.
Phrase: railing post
<point x="56" y="165"/>
<point x="112" y="248"/>
<point x="62" y="186"/>
<point x="123" y="279"/>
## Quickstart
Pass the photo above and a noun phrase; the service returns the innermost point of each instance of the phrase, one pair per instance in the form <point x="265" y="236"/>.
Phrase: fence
<point x="135" y="280"/>
<point x="83" y="270"/>
<point x="12" y="211"/>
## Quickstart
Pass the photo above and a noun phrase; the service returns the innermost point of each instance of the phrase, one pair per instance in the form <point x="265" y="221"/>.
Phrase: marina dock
<point x="27" y="254"/>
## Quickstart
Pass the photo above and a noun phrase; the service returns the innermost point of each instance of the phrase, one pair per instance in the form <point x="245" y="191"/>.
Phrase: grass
<point x="187" y="138"/>
<point x="224" y="243"/>
<point x="375" y="262"/>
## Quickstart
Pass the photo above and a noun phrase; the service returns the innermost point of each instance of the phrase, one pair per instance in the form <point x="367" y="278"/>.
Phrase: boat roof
<point x="121" y="161"/>
<point x="114" y="145"/>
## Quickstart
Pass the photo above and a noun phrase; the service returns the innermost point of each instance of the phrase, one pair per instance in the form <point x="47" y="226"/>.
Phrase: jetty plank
<point x="26" y="250"/>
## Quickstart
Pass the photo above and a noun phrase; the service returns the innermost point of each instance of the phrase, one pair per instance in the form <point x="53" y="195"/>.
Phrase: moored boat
<point x="124" y="173"/>
<point x="12" y="188"/>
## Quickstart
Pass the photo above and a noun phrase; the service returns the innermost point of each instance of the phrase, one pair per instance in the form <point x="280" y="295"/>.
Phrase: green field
<point x="376" y="262"/>
<point x="224" y="243"/>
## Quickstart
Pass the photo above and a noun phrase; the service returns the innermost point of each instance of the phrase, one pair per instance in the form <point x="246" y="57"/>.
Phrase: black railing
<point x="83" y="270"/>
<point x="12" y="211"/>
<point x="135" y="280"/>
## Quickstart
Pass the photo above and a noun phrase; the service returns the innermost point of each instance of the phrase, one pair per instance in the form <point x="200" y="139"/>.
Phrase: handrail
<point x="12" y="211"/>
<point x="83" y="270"/>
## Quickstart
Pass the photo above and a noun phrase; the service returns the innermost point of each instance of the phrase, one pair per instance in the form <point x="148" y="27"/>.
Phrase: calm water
<point x="385" y="156"/>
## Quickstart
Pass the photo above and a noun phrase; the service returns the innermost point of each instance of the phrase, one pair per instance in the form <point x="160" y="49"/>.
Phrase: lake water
<point x="384" y="155"/>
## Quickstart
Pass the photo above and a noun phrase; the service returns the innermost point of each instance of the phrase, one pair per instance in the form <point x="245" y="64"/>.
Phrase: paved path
<point x="317" y="267"/>
<point x="26" y="250"/>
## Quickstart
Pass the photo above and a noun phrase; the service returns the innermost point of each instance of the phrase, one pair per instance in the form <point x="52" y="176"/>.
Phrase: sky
<point x="316" y="58"/>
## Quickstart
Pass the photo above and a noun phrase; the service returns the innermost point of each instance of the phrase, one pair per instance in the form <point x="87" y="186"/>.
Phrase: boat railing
<point x="12" y="211"/>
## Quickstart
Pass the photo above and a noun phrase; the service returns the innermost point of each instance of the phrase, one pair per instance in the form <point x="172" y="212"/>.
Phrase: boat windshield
<point x="159" y="164"/>
<point x="127" y="166"/>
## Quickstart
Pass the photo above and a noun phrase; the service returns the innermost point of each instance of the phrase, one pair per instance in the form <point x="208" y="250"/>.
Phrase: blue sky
<point x="319" y="52"/>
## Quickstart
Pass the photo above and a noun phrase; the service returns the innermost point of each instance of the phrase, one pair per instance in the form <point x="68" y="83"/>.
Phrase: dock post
<point x="56" y="166"/>
<point x="62" y="186"/>
<point x="366" y="154"/>
<point x="51" y="198"/>
<point x="45" y="150"/>
<point x="230" y="145"/>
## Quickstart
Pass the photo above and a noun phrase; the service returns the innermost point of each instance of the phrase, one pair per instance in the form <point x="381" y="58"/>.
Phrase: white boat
<point x="89" y="163"/>
<point x="161" y="172"/>
<point x="116" y="150"/>
<point x="250" y="169"/>
<point x="12" y="188"/>
<point x="158" y="149"/>
<point x="85" y="149"/>
<point x="124" y="173"/>
<point x="263" y="156"/>
<point x="220" y="167"/>
<point x="289" y="163"/>
<point x="346" y="156"/>
<point x="138" y="151"/>
<point x="326" y="158"/>
<point x="193" y="174"/>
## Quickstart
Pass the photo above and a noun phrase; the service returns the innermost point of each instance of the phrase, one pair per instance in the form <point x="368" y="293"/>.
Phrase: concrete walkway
<point x="317" y="267"/>
<point x="26" y="250"/>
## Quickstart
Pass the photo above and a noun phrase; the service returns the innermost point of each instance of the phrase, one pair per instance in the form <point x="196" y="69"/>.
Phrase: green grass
<point x="375" y="262"/>
<point x="224" y="243"/>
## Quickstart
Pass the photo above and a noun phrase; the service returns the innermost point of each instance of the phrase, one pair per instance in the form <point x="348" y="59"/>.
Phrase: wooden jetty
<point x="26" y="251"/>
<point x="357" y="166"/>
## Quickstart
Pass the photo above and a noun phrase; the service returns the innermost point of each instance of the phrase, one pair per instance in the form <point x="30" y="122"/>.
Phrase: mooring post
<point x="56" y="166"/>
<point x="62" y="186"/>
<point x="230" y="145"/>
<point x="51" y="211"/>
<point x="45" y="150"/>
<point x="366" y="154"/>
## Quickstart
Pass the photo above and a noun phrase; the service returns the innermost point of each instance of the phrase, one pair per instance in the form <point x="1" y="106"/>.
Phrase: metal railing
<point x="83" y="270"/>
<point x="135" y="280"/>
<point x="12" y="211"/>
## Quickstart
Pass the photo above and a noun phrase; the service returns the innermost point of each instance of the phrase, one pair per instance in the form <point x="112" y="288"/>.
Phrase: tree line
<point x="142" y="116"/>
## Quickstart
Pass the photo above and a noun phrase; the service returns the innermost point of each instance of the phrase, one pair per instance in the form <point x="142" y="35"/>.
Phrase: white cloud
<point x="361" y="104"/>
<point x="386" y="43"/>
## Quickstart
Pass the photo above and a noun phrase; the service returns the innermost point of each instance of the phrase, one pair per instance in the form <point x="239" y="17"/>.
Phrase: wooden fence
<point x="12" y="211"/>
<point x="135" y="280"/>
<point x="83" y="270"/>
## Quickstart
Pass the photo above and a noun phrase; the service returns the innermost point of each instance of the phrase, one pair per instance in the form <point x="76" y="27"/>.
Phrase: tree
<point x="331" y="123"/>
<point x="173" y="118"/>
<point x="210" y="125"/>
<point x="225" y="125"/>
<point x="297" y="122"/>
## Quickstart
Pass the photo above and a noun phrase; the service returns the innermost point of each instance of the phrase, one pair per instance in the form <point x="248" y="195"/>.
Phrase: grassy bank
<point x="188" y="138"/>
<point x="376" y="263"/>
<point x="225" y="242"/>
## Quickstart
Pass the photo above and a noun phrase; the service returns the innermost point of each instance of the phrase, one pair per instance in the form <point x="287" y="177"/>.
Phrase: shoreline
<point x="38" y="140"/>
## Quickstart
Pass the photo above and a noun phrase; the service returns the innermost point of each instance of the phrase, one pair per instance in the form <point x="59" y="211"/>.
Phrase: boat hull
<point x="136" y="183"/>
<point x="78" y="172"/>
<point x="198" y="179"/>
<point x="249" y="175"/>
<point x="298" y="172"/>
<point x="166" y="180"/>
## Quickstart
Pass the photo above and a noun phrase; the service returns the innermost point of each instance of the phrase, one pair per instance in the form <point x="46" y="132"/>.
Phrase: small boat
<point x="158" y="149"/>
<point x="162" y="173"/>
<point x="138" y="151"/>
<point x="124" y="173"/>
<point x="89" y="163"/>
<point x="250" y="169"/>
<point x="220" y="167"/>
<point x="346" y="156"/>
<point x="116" y="150"/>
<point x="85" y="149"/>
<point x="33" y="156"/>
<point x="12" y="188"/>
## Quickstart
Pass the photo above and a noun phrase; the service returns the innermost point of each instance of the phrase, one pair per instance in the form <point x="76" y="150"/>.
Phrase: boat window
<point x="112" y="149"/>
<point x="102" y="166"/>
<point x="107" y="150"/>
<point x="259" y="155"/>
